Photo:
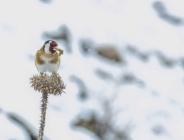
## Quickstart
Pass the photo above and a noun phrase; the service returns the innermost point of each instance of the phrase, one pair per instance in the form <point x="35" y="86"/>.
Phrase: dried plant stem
<point x="46" y="85"/>
<point x="44" y="102"/>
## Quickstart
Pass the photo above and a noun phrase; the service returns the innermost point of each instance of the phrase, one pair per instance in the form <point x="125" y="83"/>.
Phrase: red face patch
<point x="53" y="44"/>
<point x="52" y="47"/>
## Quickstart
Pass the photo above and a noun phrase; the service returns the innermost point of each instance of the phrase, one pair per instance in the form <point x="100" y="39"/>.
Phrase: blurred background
<point x="122" y="65"/>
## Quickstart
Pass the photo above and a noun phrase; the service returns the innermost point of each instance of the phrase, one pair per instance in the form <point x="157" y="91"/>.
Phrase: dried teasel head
<point x="51" y="84"/>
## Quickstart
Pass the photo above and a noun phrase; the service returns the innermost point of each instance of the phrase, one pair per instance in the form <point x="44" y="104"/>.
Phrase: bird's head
<point x="50" y="47"/>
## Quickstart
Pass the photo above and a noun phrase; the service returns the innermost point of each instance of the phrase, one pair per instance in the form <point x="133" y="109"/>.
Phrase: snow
<point x="118" y="22"/>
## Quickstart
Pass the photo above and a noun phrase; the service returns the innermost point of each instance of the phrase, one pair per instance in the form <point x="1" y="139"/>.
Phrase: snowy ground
<point x="120" y="22"/>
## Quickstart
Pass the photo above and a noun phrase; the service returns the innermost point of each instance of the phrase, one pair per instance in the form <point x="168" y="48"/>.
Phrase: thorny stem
<point x="44" y="102"/>
<point x="46" y="84"/>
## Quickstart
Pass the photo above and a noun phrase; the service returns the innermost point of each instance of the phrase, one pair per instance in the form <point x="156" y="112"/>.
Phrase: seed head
<point x="51" y="84"/>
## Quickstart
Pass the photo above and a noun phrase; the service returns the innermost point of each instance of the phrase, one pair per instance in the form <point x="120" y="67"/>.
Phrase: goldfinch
<point x="48" y="57"/>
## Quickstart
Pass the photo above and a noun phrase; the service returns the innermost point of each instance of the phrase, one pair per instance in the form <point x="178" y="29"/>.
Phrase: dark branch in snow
<point x="125" y="79"/>
<point x="46" y="1"/>
<point x="134" y="51"/>
<point x="102" y="127"/>
<point x="106" y="52"/>
<point x="18" y="120"/>
<point x="86" y="46"/>
<point x="129" y="78"/>
<point x="83" y="92"/>
<point x="166" y="61"/>
<point x="162" y="58"/>
<point x="109" y="52"/>
<point x="163" y="13"/>
<point x="62" y="35"/>
<point x="104" y="74"/>
<point x="158" y="130"/>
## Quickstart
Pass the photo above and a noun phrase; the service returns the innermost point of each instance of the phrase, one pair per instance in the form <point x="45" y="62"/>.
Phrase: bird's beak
<point x="59" y="50"/>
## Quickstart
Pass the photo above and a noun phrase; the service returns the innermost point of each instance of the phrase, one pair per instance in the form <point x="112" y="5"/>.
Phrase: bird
<point x="47" y="58"/>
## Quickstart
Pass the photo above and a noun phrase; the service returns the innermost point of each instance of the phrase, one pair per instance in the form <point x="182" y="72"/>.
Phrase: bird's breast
<point x="50" y="63"/>
<point x="46" y="59"/>
<point x="53" y="59"/>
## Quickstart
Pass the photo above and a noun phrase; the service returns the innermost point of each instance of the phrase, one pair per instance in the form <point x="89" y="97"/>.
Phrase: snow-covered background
<point x="140" y="96"/>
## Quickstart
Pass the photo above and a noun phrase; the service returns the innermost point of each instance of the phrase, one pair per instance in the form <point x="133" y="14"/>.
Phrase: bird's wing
<point x="38" y="59"/>
<point x="60" y="51"/>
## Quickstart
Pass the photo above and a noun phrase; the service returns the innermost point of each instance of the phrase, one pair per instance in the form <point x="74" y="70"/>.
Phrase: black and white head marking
<point x="49" y="46"/>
